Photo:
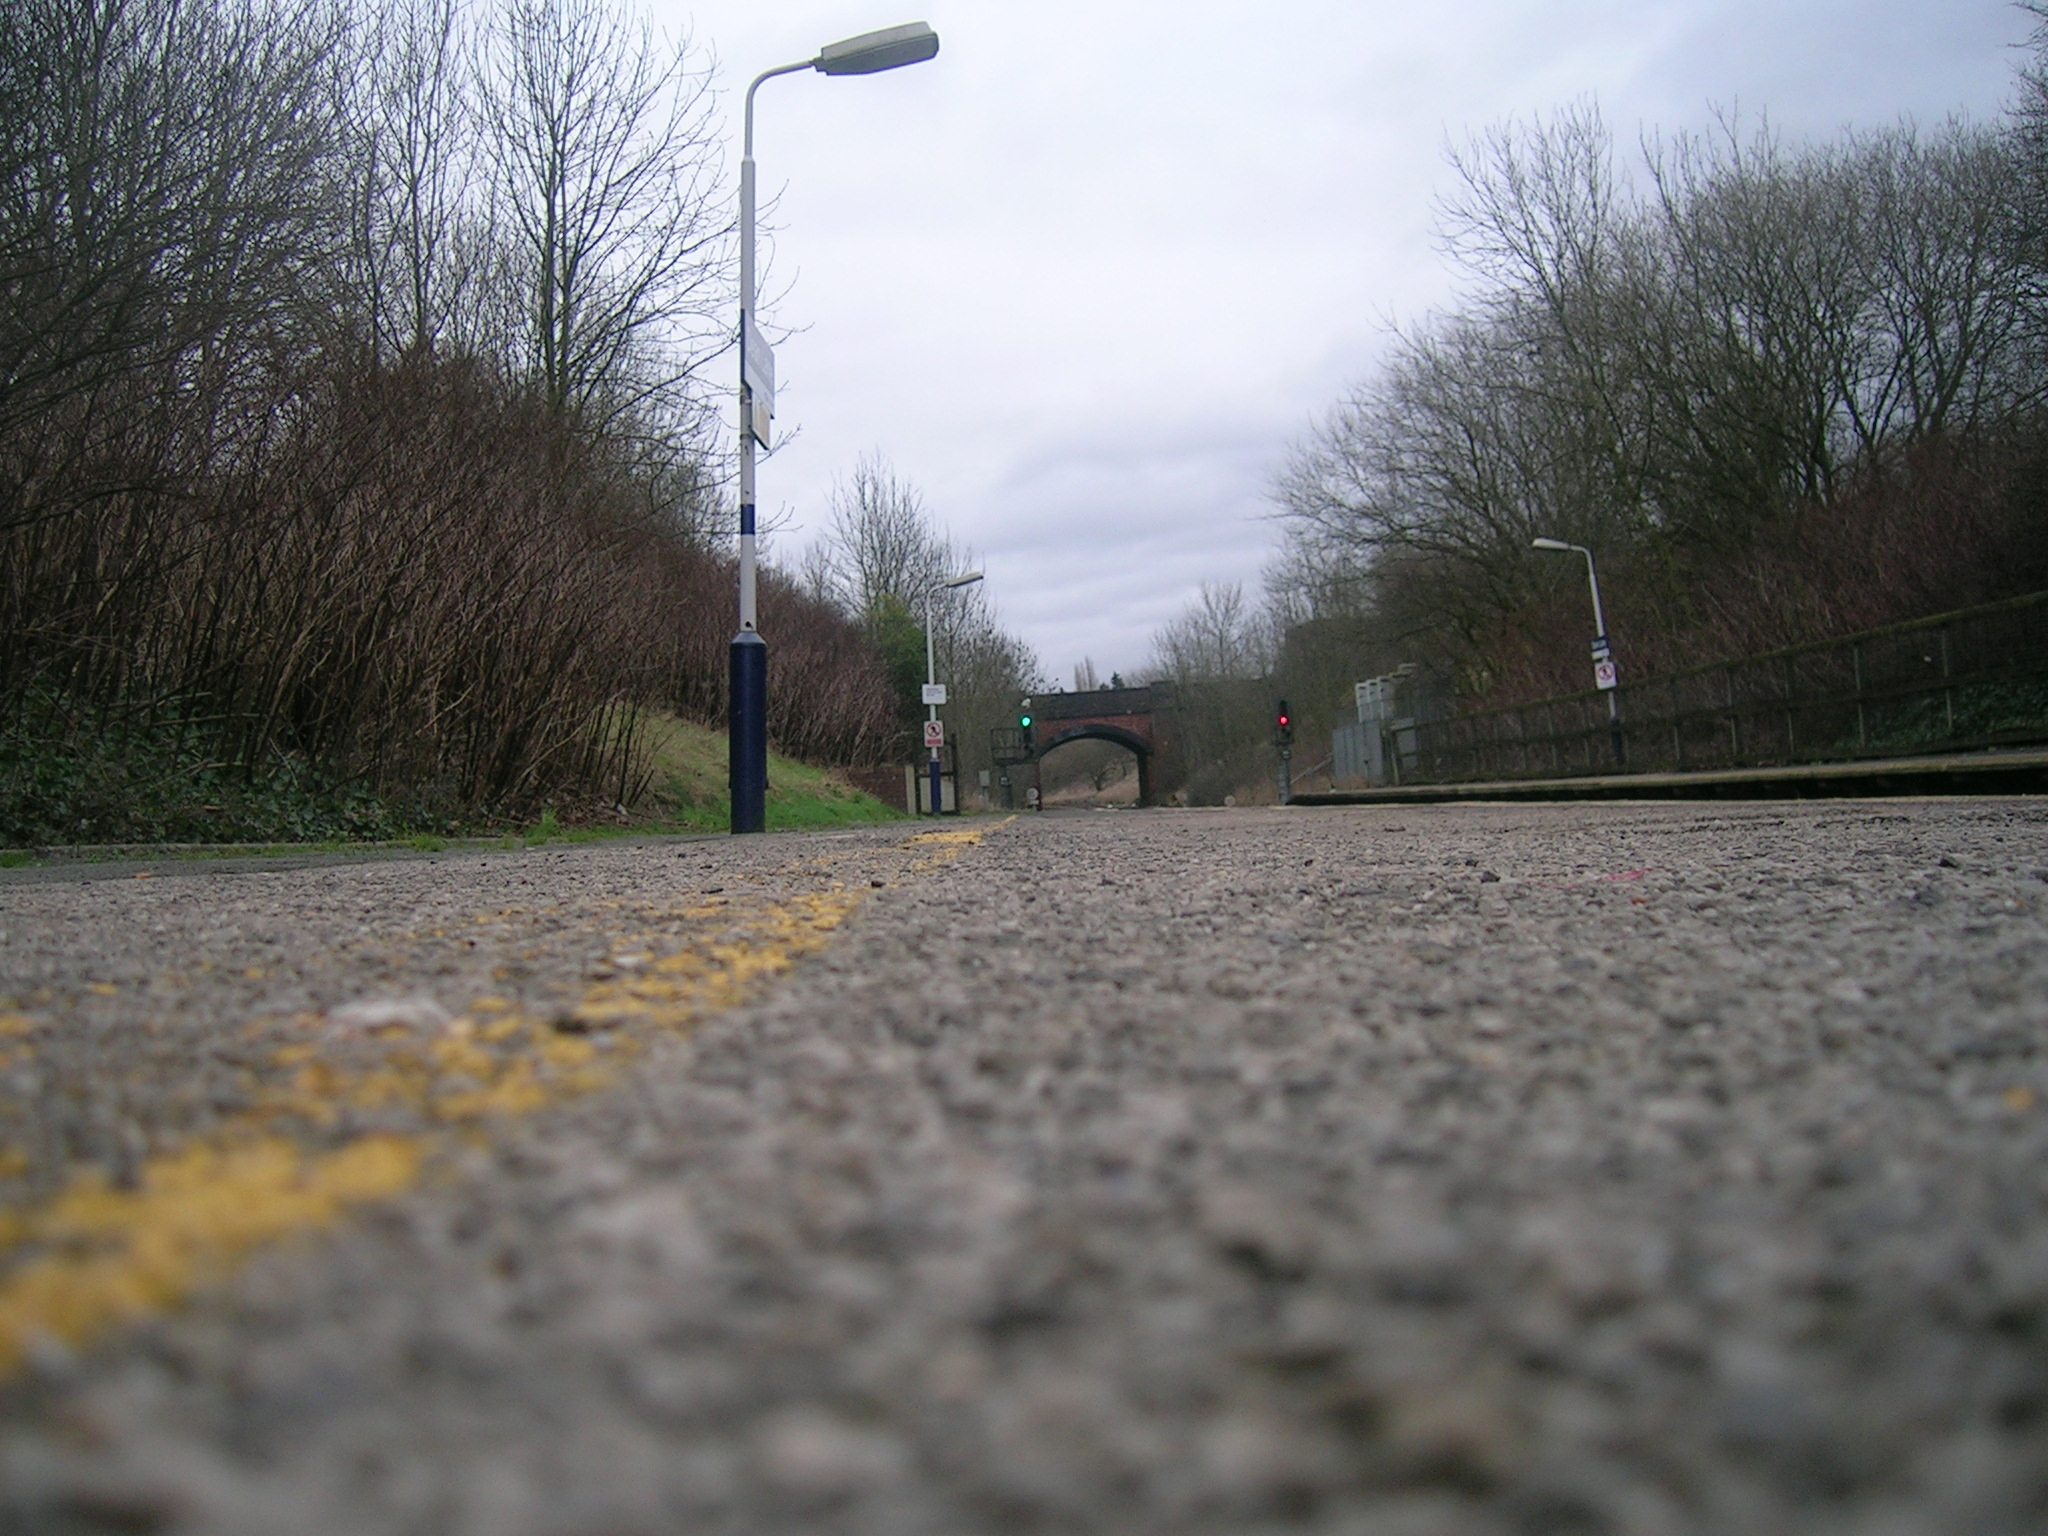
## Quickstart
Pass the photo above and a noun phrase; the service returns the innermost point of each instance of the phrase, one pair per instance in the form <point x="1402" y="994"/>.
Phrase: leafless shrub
<point x="312" y="448"/>
<point x="1781" y="390"/>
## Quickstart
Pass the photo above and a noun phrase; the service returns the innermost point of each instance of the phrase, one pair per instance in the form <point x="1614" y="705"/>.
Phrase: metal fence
<point x="1349" y="755"/>
<point x="1956" y="682"/>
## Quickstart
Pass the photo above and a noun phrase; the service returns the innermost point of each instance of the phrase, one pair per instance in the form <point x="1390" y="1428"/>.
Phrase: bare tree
<point x="1675" y="372"/>
<point x="883" y="558"/>
<point x="881" y="544"/>
<point x="422" y="241"/>
<point x="1219" y="635"/>
<point x="1952" y="306"/>
<point x="610" y="192"/>
<point x="169" y="220"/>
<point x="1216" y="656"/>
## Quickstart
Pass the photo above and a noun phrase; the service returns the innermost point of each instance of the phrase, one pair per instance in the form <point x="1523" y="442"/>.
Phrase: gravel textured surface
<point x="1638" y="1168"/>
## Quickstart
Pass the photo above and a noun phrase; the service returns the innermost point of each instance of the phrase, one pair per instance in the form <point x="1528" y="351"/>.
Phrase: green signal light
<point x="1025" y="723"/>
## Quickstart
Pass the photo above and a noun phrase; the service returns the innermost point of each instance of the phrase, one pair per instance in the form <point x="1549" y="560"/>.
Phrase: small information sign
<point x="934" y="693"/>
<point x="935" y="733"/>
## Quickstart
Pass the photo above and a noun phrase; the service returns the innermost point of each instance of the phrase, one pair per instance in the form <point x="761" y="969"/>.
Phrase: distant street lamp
<point x="1605" y="675"/>
<point x="747" y="705"/>
<point x="931" y="678"/>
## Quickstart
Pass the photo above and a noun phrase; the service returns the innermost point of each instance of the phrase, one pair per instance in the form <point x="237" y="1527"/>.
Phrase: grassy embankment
<point x="184" y="806"/>
<point x="687" y="790"/>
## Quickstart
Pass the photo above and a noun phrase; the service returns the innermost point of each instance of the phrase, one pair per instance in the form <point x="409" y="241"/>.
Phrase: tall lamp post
<point x="931" y="680"/>
<point x="1605" y="676"/>
<point x="747" y="707"/>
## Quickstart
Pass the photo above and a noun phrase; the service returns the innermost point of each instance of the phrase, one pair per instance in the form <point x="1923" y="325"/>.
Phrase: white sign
<point x="758" y="369"/>
<point x="935" y="733"/>
<point x="934" y="693"/>
<point x="1604" y="674"/>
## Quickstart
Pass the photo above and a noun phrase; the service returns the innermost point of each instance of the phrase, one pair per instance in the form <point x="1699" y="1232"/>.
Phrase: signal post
<point x="1283" y="738"/>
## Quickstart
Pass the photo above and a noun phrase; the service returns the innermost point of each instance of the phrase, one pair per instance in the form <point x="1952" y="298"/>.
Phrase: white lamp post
<point x="747" y="706"/>
<point x="931" y="678"/>
<point x="1605" y="675"/>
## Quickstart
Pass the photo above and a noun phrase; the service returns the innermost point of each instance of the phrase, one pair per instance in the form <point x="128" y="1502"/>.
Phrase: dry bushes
<point x="828" y="692"/>
<point x="1783" y="390"/>
<point x="1934" y="528"/>
<point x="418" y="581"/>
<point x="351" y="438"/>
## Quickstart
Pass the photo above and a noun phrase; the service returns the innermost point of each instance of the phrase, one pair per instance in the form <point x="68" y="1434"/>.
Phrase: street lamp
<point x="931" y="677"/>
<point x="1605" y="676"/>
<point x="747" y="705"/>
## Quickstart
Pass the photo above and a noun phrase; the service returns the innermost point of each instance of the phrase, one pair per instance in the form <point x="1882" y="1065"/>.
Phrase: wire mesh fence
<point x="1973" y="679"/>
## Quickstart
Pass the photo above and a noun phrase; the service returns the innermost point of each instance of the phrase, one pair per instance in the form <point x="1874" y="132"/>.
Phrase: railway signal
<point x="1283" y="738"/>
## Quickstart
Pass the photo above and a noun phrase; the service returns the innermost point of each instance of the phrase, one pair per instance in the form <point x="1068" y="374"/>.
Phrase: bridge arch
<point x="1144" y="720"/>
<point x="1096" y="730"/>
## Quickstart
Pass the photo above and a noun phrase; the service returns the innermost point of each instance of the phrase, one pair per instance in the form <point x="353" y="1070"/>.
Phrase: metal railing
<point x="1960" y="681"/>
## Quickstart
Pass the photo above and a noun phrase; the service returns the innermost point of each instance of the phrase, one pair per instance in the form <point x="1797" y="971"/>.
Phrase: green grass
<point x="687" y="788"/>
<point x="686" y="793"/>
<point x="74" y="774"/>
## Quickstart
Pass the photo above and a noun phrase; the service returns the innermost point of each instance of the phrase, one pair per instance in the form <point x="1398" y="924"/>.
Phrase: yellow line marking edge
<point x="95" y="1258"/>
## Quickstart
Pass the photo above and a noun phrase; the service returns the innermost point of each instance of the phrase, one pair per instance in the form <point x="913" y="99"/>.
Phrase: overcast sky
<point x="1085" y="276"/>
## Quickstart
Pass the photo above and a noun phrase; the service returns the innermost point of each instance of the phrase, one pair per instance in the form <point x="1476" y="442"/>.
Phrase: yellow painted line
<point x="110" y="1257"/>
<point x="948" y="846"/>
<point x="679" y="988"/>
<point x="94" y="1258"/>
<point x="964" y="837"/>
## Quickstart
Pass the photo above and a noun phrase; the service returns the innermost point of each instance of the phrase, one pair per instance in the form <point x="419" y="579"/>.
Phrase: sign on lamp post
<point x="747" y="691"/>
<point x="1606" y="678"/>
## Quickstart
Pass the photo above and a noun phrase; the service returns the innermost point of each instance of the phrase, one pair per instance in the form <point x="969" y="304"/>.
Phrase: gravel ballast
<point x="1401" y="1171"/>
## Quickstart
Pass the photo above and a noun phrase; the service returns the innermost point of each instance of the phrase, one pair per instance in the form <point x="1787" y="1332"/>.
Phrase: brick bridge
<point x="1144" y="720"/>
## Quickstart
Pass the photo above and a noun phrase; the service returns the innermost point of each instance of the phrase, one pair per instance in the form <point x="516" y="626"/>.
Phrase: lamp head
<point x="965" y="581"/>
<point x="873" y="52"/>
<point x="1550" y="544"/>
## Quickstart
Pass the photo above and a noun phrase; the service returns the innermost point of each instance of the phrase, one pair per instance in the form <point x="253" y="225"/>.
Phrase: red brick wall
<point x="1139" y="726"/>
<point x="884" y="783"/>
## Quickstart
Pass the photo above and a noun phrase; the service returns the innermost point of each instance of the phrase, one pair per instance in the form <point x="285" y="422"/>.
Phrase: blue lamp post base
<point x="747" y="733"/>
